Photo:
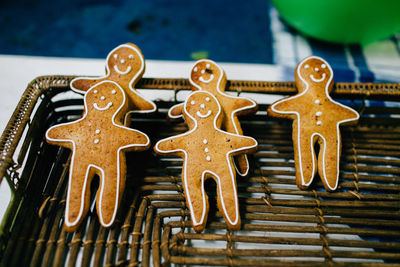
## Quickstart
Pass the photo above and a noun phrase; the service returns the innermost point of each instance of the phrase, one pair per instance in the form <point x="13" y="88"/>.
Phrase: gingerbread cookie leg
<point x="112" y="184"/>
<point x="196" y="198"/>
<point x="304" y="156"/>
<point x="227" y="198"/>
<point x="78" y="196"/>
<point x="329" y="152"/>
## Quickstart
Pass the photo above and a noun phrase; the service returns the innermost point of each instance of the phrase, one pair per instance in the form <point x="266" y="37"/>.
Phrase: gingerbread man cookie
<point x="207" y="76"/>
<point x="97" y="141"/>
<point x="124" y="65"/>
<point x="316" y="117"/>
<point x="207" y="153"/>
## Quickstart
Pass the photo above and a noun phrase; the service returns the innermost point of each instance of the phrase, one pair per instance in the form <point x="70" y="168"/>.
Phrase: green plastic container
<point x="342" y="21"/>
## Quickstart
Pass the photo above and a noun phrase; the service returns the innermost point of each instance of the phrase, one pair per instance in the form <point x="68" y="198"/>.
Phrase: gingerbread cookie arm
<point x="61" y="134"/>
<point x="346" y="115"/>
<point x="176" y="112"/>
<point x="132" y="139"/>
<point x="287" y="106"/>
<point x="240" y="144"/>
<point x="243" y="105"/>
<point x="170" y="145"/>
<point x="82" y="84"/>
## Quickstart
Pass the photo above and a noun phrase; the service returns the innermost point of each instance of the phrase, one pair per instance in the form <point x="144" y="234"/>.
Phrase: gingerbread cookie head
<point x="105" y="99"/>
<point x="126" y="61"/>
<point x="124" y="64"/>
<point x="314" y="72"/>
<point x="207" y="75"/>
<point x="203" y="108"/>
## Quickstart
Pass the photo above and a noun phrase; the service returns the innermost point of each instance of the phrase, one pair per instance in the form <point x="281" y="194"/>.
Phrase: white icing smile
<point x="318" y="80"/>
<point x="102" y="109"/>
<point x="203" y="115"/>
<point x="201" y="79"/>
<point x="122" y="72"/>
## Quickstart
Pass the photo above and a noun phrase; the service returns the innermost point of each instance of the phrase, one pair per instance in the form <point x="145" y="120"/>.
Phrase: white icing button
<point x="96" y="141"/>
<point x="115" y="56"/>
<point x="316" y="69"/>
<point x="208" y="66"/>
<point x="95" y="91"/>
<point x="206" y="149"/>
<point x="208" y="158"/>
<point x="317" y="102"/>
<point x="207" y="99"/>
<point x="122" y="61"/>
<point x="306" y="66"/>
<point x="113" y="92"/>
<point x="323" y="66"/>
<point x="192" y="102"/>
<point x="202" y="106"/>
<point x="195" y="69"/>
<point x="205" y="141"/>
<point x="97" y="131"/>
<point x="102" y="98"/>
<point x="319" y="122"/>
<point x="203" y="71"/>
<point x="130" y="56"/>
<point x="319" y="113"/>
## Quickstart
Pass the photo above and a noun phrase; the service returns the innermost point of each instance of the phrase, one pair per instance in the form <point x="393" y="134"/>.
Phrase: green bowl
<point x="342" y="21"/>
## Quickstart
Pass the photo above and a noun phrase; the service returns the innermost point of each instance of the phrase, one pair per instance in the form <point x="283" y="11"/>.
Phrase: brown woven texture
<point x="359" y="224"/>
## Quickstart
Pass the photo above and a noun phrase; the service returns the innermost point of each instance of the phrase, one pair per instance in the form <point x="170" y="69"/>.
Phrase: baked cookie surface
<point x="125" y="66"/>
<point x="207" y="152"/>
<point x="316" y="118"/>
<point x="98" y="141"/>
<point x="206" y="75"/>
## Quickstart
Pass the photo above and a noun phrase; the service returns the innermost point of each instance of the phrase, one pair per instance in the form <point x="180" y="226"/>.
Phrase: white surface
<point x="18" y="71"/>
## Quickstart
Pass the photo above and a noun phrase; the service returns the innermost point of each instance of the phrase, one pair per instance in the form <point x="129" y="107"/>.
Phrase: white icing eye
<point x="202" y="106"/>
<point x="203" y="71"/>
<point x="323" y="66"/>
<point x="95" y="91"/>
<point x="205" y="141"/>
<point x="192" y="102"/>
<point x="115" y="56"/>
<point x="97" y="131"/>
<point x="102" y="98"/>
<point x="113" y="92"/>
<point x="316" y="69"/>
<point x="130" y="56"/>
<point x="122" y="61"/>
<point x="208" y="66"/>
<point x="207" y="99"/>
<point x="306" y="66"/>
<point x="195" y="69"/>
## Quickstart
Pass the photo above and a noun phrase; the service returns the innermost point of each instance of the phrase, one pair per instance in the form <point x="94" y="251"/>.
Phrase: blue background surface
<point x="229" y="31"/>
